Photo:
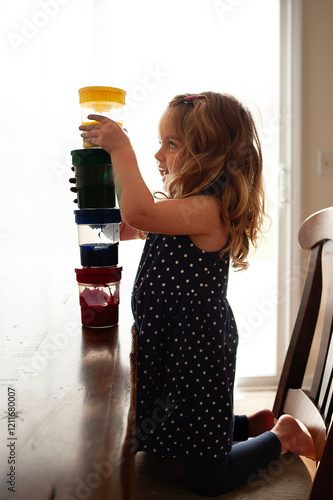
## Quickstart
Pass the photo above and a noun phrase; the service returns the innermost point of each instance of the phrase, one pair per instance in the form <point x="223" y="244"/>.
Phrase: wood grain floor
<point x="248" y="402"/>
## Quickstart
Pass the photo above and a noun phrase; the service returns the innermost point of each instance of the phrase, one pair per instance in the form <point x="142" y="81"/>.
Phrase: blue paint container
<point x="99" y="255"/>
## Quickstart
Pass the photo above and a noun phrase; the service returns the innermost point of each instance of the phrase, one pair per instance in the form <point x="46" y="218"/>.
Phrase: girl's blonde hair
<point x="222" y="158"/>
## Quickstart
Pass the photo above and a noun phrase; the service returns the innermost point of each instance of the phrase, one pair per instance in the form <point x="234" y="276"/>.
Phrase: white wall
<point x="317" y="103"/>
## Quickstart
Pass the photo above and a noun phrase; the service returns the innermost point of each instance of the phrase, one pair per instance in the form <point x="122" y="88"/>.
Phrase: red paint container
<point x="99" y="295"/>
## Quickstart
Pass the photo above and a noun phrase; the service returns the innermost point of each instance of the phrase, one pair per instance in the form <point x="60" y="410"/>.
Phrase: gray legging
<point x="215" y="477"/>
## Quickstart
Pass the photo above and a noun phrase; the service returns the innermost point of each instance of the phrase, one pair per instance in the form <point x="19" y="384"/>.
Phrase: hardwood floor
<point x="247" y="402"/>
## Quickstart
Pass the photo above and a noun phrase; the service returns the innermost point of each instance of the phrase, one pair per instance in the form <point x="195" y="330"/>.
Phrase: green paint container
<point x="94" y="178"/>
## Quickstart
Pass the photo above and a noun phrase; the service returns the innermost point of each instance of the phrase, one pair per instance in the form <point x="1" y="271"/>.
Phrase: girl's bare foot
<point x="293" y="438"/>
<point x="260" y="422"/>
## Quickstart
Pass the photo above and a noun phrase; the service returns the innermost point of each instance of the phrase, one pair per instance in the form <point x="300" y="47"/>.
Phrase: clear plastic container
<point x="96" y="226"/>
<point x="99" y="235"/>
<point x="106" y="101"/>
<point x="99" y="296"/>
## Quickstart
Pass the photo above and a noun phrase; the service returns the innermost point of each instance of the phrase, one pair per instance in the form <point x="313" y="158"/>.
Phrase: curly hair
<point x="222" y="158"/>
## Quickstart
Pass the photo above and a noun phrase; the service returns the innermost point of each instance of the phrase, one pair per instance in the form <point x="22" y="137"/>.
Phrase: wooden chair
<point x="313" y="408"/>
<point x="287" y="478"/>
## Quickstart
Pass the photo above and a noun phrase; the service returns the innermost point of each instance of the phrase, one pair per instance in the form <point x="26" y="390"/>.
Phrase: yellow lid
<point x="106" y="94"/>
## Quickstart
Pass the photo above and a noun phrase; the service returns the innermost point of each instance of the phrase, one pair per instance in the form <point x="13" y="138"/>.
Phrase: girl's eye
<point x="172" y="145"/>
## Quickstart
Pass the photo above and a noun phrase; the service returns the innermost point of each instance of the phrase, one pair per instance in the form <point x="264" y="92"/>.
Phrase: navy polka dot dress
<point x="187" y="341"/>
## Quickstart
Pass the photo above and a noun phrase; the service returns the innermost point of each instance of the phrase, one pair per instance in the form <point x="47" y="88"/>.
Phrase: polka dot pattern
<point x="187" y="340"/>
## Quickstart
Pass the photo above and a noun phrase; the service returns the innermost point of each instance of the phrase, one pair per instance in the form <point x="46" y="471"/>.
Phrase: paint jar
<point x="94" y="178"/>
<point x="106" y="101"/>
<point x="99" y="296"/>
<point x="99" y="235"/>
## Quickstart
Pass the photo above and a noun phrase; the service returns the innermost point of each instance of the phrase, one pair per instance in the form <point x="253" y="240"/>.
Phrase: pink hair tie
<point x="192" y="97"/>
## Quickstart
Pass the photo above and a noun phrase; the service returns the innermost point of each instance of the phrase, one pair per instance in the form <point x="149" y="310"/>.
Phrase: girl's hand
<point x="106" y="133"/>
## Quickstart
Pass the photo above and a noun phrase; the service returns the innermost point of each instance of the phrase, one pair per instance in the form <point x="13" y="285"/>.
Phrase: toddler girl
<point x="211" y="165"/>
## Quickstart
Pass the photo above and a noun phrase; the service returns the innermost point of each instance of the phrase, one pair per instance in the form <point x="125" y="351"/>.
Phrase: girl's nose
<point x="158" y="155"/>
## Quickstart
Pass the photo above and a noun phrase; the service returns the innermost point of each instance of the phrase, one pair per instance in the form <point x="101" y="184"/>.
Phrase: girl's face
<point x="171" y="139"/>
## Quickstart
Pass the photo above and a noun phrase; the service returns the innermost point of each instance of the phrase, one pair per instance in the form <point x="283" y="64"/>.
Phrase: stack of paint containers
<point x="97" y="218"/>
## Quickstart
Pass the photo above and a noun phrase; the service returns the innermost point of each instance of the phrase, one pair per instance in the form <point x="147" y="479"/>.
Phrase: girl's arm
<point x="196" y="215"/>
<point x="127" y="232"/>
